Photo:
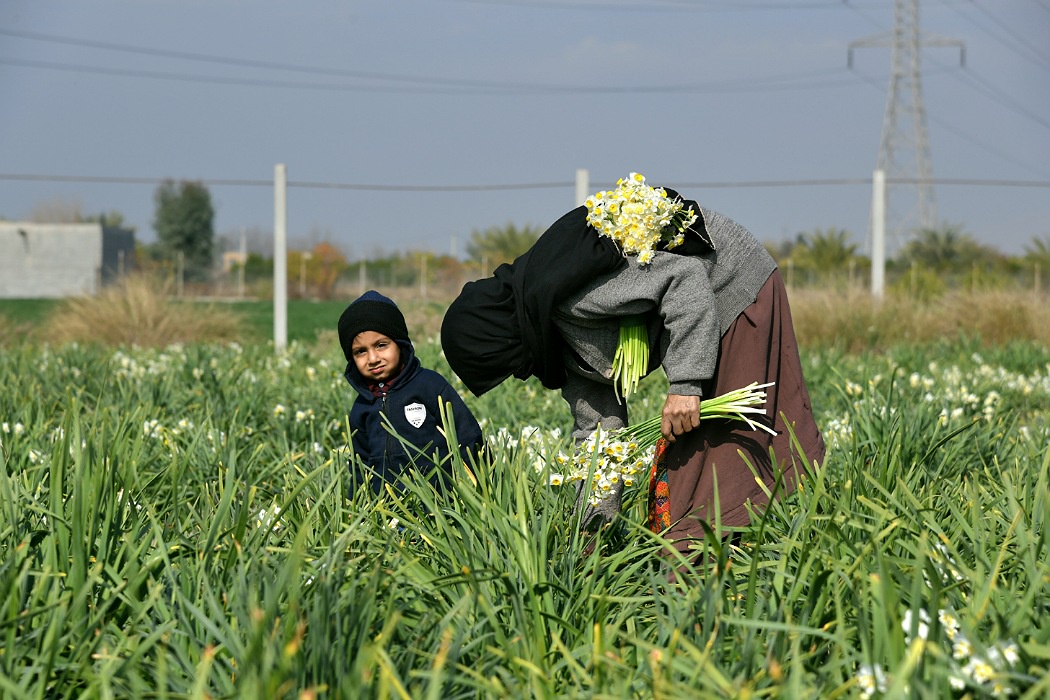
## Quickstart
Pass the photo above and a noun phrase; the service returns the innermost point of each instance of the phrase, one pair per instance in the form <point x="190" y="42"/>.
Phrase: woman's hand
<point x="680" y="415"/>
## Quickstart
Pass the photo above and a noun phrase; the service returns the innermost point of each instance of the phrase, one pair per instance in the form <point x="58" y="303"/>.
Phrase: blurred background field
<point x="849" y="319"/>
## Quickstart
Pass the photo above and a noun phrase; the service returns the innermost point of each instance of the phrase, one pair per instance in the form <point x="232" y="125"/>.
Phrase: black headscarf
<point x="503" y="325"/>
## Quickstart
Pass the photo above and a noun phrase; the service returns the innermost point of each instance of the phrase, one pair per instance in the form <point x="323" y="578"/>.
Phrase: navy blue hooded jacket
<point x="411" y="405"/>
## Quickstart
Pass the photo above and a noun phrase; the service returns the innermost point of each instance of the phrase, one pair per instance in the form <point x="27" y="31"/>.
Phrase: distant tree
<point x="947" y="249"/>
<point x="499" y="244"/>
<point x="1039" y="252"/>
<point x="58" y="211"/>
<point x="824" y="250"/>
<point x="324" y="266"/>
<point x="184" y="222"/>
<point x="111" y="219"/>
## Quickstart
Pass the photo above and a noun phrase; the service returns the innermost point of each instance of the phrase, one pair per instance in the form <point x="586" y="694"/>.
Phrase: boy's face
<point x="378" y="358"/>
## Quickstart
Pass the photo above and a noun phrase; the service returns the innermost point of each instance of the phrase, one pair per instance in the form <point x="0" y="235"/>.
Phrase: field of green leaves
<point x="175" y="524"/>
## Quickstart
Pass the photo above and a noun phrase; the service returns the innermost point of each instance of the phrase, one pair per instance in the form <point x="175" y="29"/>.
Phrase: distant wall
<point x="59" y="260"/>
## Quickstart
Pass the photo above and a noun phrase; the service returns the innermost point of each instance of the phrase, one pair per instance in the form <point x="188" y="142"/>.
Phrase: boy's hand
<point x="680" y="415"/>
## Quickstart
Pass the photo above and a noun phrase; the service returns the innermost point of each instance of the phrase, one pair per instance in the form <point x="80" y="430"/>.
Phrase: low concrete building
<point x="60" y="260"/>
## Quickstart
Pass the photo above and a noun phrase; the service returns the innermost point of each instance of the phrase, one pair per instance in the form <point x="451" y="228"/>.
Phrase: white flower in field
<point x="197" y="372"/>
<point x="962" y="648"/>
<point x="35" y="457"/>
<point x="853" y="389"/>
<point x="948" y="623"/>
<point x="318" y="448"/>
<point x="871" y="678"/>
<point x="557" y="479"/>
<point x="152" y="428"/>
<point x="957" y="413"/>
<point x="979" y="670"/>
<point x="394" y="522"/>
<point x="1003" y="655"/>
<point x="304" y="416"/>
<point x="1010" y="653"/>
<point x="5" y="427"/>
<point x="311" y="373"/>
<point x="922" y="628"/>
<point x="1000" y="689"/>
<point x="944" y="557"/>
<point x="279" y="410"/>
<point x="270" y="519"/>
<point x="120" y="497"/>
<point x="185" y="424"/>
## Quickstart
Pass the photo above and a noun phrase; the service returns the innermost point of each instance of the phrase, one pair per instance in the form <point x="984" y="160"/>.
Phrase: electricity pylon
<point x="904" y="149"/>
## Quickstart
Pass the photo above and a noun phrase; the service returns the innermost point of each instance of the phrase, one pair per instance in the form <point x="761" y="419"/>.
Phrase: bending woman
<point x="718" y="319"/>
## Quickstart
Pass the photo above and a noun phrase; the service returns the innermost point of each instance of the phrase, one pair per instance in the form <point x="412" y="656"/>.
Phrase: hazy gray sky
<point x="428" y="100"/>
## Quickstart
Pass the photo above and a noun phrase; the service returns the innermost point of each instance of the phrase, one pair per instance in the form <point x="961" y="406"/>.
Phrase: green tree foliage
<point x="946" y="248"/>
<point x="184" y="221"/>
<point x="499" y="244"/>
<point x="827" y="250"/>
<point x="1038" y="252"/>
<point x="112" y="219"/>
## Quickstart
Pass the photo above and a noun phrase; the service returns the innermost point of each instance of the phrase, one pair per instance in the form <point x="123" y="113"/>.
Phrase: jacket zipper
<point x="386" y="450"/>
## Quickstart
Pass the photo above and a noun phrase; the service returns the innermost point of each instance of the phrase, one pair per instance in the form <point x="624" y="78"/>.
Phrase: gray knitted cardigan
<point x="690" y="301"/>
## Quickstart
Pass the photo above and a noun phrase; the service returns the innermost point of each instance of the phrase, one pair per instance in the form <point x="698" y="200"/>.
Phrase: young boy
<point x="390" y="381"/>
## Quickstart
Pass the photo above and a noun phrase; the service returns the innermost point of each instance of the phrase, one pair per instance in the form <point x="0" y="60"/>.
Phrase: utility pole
<point x="244" y="263"/>
<point x="280" y="257"/>
<point x="582" y="186"/>
<point x="904" y="148"/>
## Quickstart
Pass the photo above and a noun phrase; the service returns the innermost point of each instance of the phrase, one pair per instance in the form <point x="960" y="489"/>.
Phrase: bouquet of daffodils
<point x="620" y="456"/>
<point x="609" y="458"/>
<point x="638" y="217"/>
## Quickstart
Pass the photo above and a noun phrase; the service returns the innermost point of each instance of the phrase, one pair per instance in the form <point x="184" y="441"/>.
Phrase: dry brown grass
<point x="140" y="312"/>
<point x="857" y="322"/>
<point x="12" y="332"/>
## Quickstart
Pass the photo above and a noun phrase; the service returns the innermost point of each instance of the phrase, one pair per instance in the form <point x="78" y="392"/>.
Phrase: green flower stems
<point x="631" y="360"/>
<point x="738" y="404"/>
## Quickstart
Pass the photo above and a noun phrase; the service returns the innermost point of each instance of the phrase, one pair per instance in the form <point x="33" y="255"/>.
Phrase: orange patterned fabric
<point x="659" y="495"/>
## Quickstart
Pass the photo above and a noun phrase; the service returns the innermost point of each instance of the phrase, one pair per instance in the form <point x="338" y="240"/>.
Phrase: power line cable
<point x="242" y="62"/>
<point x="803" y="81"/>
<point x="667" y="6"/>
<point x="1015" y="38"/>
<point x="1011" y="43"/>
<point x="958" y="132"/>
<point x="307" y="184"/>
<point x="988" y="87"/>
<point x="492" y="86"/>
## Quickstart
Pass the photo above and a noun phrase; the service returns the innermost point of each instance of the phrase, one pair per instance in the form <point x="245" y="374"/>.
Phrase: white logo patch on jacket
<point x="415" y="414"/>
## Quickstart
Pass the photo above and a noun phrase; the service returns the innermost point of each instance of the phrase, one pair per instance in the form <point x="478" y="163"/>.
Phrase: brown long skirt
<point x="759" y="346"/>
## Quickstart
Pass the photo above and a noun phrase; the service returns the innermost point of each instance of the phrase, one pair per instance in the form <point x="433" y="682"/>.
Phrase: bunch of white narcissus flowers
<point x="638" y="217"/>
<point x="607" y="459"/>
<point x="620" y="456"/>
